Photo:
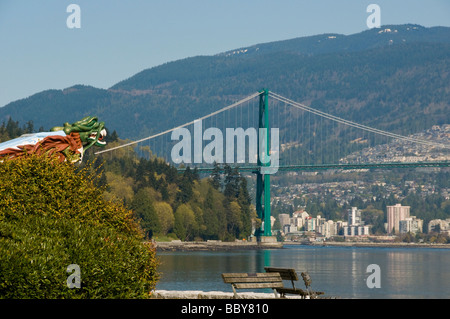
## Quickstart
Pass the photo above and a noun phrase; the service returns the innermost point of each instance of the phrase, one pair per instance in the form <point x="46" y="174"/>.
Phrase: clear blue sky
<point x="117" y="39"/>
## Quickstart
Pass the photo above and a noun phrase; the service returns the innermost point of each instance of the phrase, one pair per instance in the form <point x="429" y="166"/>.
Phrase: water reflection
<point x="339" y="271"/>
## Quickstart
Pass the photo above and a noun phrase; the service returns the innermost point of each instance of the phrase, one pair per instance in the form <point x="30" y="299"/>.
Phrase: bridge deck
<point x="335" y="166"/>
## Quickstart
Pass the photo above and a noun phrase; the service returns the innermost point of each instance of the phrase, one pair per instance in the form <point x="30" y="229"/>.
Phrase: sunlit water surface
<point x="338" y="271"/>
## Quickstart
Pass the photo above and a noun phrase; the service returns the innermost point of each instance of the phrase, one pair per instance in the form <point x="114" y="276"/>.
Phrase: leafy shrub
<point x="52" y="216"/>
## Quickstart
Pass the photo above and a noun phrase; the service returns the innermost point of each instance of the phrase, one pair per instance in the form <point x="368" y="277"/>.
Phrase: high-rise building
<point x="395" y="214"/>
<point x="284" y="219"/>
<point x="354" y="216"/>
<point x="411" y="225"/>
<point x="310" y="224"/>
<point x="355" y="226"/>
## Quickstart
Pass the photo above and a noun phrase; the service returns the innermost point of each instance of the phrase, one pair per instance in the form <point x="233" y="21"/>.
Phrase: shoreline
<point x="373" y="244"/>
<point x="214" y="245"/>
<point x="242" y="245"/>
<point x="198" y="294"/>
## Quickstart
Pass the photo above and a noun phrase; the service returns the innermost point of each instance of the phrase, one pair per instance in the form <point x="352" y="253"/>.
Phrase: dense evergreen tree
<point x="216" y="180"/>
<point x="12" y="129"/>
<point x="144" y="211"/>
<point x="210" y="218"/>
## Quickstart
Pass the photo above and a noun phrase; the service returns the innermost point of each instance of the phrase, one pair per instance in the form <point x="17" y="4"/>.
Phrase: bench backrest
<point x="253" y="280"/>
<point x="285" y="273"/>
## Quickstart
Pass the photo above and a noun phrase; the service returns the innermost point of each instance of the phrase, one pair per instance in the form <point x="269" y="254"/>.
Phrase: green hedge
<point x="43" y="232"/>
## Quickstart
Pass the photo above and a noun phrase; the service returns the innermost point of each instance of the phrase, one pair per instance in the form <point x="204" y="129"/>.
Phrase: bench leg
<point x="275" y="293"/>
<point x="234" y="292"/>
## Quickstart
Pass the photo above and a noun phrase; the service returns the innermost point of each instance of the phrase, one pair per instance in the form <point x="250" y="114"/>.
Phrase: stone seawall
<point x="239" y="245"/>
<point x="167" y="294"/>
<point x="373" y="244"/>
<point x="214" y="245"/>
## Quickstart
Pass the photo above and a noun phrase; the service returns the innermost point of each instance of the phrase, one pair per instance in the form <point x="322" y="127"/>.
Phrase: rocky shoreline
<point x="196" y="294"/>
<point x="374" y="244"/>
<point x="240" y="245"/>
<point x="214" y="245"/>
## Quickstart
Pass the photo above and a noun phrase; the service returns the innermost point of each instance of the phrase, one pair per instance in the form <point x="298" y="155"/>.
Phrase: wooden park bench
<point x="291" y="274"/>
<point x="253" y="281"/>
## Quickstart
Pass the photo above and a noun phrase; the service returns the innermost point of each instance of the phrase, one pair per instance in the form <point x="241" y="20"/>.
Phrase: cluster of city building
<point x="407" y="151"/>
<point x="399" y="221"/>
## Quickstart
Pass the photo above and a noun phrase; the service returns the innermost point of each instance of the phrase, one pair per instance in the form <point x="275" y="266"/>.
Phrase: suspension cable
<point x="184" y="125"/>
<point x="353" y="124"/>
<point x="295" y="104"/>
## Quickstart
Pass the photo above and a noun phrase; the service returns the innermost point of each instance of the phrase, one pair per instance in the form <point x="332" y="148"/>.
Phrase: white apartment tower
<point x="395" y="214"/>
<point x="355" y="225"/>
<point x="354" y="217"/>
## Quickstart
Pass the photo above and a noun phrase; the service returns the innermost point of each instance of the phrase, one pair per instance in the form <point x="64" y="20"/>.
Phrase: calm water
<point x="339" y="271"/>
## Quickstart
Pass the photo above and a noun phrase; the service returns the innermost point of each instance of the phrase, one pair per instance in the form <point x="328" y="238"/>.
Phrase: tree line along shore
<point x="240" y="245"/>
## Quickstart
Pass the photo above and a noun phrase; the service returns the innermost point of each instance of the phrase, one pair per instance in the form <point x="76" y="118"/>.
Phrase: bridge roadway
<point x="319" y="167"/>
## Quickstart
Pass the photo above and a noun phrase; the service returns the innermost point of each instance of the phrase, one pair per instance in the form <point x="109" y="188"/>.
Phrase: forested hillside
<point x="167" y="203"/>
<point x="393" y="80"/>
<point x="177" y="205"/>
<point x="173" y="205"/>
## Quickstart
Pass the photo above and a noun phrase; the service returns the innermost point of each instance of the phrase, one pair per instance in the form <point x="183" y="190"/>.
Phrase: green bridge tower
<point x="264" y="233"/>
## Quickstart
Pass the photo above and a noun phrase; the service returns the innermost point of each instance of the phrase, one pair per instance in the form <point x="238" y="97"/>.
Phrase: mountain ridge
<point x="315" y="45"/>
<point x="309" y="45"/>
<point x="405" y="83"/>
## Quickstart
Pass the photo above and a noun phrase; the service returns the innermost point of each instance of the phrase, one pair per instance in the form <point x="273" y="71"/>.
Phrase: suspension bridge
<point x="304" y="139"/>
